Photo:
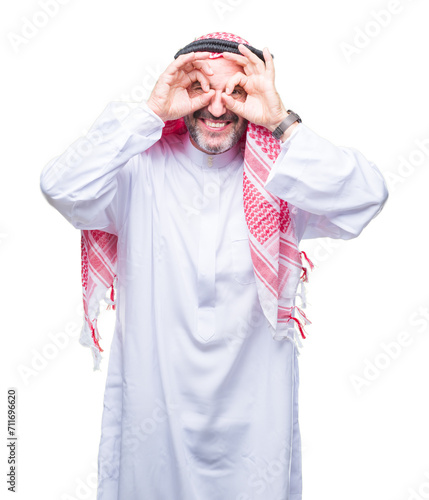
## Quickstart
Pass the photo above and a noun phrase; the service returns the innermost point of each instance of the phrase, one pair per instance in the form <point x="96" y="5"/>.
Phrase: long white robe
<point x="200" y="402"/>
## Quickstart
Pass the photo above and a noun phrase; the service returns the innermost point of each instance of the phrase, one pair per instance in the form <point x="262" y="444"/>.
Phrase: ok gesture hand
<point x="263" y="105"/>
<point x="170" y="99"/>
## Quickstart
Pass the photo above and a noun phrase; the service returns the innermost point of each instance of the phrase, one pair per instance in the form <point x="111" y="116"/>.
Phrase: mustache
<point x="206" y="115"/>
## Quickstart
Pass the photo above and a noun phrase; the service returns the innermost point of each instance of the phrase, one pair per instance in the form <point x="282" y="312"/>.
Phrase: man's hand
<point x="263" y="105"/>
<point x="170" y="99"/>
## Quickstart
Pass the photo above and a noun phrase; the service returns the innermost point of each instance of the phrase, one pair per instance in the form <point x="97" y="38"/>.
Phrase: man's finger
<point x="232" y="104"/>
<point x="203" y="66"/>
<point x="197" y="75"/>
<point x="269" y="63"/>
<point x="236" y="79"/>
<point x="192" y="56"/>
<point x="253" y="58"/>
<point x="241" y="60"/>
<point x="202" y="100"/>
<point x="249" y="54"/>
<point x="184" y="60"/>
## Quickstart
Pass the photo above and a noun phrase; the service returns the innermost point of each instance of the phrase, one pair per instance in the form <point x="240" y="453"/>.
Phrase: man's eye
<point x="238" y="91"/>
<point x="196" y="88"/>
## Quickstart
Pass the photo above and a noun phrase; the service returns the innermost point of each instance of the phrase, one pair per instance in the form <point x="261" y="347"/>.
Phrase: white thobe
<point x="201" y="403"/>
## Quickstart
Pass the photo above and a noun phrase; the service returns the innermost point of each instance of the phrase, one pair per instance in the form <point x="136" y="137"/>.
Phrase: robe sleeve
<point x="335" y="191"/>
<point x="88" y="183"/>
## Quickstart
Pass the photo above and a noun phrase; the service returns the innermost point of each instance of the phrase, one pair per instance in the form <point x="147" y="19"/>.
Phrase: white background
<point x="368" y="441"/>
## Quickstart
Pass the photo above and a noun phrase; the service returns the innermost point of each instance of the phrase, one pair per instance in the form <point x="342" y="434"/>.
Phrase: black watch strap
<point x="292" y="117"/>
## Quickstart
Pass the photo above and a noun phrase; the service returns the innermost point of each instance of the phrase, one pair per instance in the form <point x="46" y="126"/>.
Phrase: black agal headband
<point x="216" y="45"/>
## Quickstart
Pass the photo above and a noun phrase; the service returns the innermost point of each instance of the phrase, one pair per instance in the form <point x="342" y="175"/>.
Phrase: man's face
<point x="214" y="128"/>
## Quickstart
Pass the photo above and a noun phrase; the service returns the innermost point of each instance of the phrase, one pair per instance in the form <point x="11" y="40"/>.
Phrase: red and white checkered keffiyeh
<point x="276" y="258"/>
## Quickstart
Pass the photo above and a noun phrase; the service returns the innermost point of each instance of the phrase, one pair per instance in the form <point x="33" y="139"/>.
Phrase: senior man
<point x="192" y="207"/>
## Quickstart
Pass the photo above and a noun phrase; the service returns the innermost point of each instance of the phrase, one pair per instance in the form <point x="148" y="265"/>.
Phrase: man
<point x="199" y="212"/>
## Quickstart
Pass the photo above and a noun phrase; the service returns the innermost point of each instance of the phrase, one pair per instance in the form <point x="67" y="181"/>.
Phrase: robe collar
<point x="207" y="160"/>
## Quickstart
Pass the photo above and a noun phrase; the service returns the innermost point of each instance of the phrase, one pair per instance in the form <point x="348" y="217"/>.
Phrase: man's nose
<point x="216" y="106"/>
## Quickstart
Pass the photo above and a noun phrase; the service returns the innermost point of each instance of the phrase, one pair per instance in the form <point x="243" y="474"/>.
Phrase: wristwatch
<point x="292" y="117"/>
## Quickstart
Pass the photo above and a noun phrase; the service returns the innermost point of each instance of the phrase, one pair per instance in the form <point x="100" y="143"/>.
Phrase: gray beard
<point x="199" y="139"/>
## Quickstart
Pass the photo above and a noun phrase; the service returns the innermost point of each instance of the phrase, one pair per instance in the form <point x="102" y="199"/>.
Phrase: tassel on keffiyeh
<point x="277" y="261"/>
<point x="99" y="256"/>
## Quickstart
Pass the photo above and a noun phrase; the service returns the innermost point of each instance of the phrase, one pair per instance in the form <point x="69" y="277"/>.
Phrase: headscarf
<point x="277" y="261"/>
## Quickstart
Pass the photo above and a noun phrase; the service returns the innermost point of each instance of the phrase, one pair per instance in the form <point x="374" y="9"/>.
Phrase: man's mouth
<point x="211" y="125"/>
